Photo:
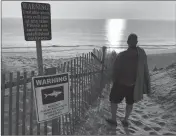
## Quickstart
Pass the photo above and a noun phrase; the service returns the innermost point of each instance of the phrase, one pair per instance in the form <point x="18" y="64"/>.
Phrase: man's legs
<point x="113" y="111"/>
<point x="116" y="96"/>
<point x="129" y="108"/>
<point x="129" y="104"/>
<point x="112" y="120"/>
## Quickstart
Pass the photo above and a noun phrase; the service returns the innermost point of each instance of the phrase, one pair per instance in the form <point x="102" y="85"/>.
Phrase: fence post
<point x="52" y="71"/>
<point x="102" y="69"/>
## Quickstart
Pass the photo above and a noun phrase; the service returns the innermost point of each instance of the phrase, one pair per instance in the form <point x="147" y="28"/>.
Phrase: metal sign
<point x="36" y="21"/>
<point x="51" y="95"/>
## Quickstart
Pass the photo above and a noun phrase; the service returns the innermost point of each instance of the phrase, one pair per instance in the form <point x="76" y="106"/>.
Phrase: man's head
<point x="132" y="40"/>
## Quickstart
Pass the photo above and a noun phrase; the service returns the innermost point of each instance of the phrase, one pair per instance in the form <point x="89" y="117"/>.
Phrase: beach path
<point x="148" y="117"/>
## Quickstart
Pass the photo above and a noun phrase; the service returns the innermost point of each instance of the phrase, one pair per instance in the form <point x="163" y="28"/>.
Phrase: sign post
<point x="39" y="57"/>
<point x="37" y="27"/>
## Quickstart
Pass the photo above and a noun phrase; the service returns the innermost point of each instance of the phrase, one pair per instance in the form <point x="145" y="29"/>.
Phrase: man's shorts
<point x="119" y="92"/>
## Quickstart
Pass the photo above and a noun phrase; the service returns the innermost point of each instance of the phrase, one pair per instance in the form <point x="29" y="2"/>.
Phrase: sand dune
<point x="151" y="116"/>
<point x="161" y="60"/>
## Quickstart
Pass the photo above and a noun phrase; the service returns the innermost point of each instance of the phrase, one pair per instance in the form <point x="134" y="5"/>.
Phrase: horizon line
<point x="101" y="18"/>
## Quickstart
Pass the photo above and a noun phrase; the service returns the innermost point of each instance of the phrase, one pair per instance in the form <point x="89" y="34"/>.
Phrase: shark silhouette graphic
<point x="54" y="93"/>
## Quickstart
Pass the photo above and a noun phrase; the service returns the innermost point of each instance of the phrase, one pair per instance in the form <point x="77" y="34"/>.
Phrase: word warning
<point x="36" y="21"/>
<point x="51" y="95"/>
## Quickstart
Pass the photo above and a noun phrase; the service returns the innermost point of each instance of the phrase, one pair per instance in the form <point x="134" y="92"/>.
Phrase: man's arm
<point x="116" y="67"/>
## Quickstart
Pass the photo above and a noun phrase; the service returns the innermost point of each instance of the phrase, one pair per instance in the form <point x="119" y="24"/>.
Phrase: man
<point x="131" y="79"/>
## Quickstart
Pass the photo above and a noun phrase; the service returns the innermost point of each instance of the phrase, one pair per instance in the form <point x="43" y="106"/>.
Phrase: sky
<point x="101" y="9"/>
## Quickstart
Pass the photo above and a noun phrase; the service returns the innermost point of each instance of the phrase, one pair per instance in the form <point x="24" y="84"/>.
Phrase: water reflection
<point x="115" y="28"/>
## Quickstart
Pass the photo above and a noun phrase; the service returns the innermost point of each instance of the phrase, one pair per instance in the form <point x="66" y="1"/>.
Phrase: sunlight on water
<point x="115" y="29"/>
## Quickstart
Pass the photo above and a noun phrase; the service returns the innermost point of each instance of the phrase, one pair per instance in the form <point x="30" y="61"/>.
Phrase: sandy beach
<point x="153" y="115"/>
<point x="21" y="62"/>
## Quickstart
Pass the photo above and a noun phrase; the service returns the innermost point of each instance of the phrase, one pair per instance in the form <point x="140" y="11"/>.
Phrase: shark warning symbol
<point x="51" y="95"/>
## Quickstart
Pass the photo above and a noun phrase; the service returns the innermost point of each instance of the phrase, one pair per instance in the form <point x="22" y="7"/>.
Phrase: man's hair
<point x="132" y="39"/>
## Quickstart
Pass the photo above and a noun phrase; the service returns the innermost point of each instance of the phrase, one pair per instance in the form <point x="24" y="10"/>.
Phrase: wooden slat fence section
<point x="28" y="80"/>
<point x="85" y="87"/>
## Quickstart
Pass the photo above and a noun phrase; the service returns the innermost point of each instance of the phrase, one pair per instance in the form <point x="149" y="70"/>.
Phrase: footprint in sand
<point x="138" y="111"/>
<point x="156" y="128"/>
<point x="169" y="133"/>
<point x="134" y="116"/>
<point x="161" y="123"/>
<point x="166" y="116"/>
<point x="153" y="133"/>
<point x="145" y="116"/>
<point x="133" y="128"/>
<point x="137" y="123"/>
<point x="147" y="128"/>
<point x="132" y="131"/>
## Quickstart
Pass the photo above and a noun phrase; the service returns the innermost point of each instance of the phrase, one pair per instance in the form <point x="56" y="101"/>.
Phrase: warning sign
<point x="36" y="21"/>
<point x="51" y="95"/>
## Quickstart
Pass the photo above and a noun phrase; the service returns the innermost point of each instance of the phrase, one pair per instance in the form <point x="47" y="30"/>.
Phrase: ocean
<point x="82" y="35"/>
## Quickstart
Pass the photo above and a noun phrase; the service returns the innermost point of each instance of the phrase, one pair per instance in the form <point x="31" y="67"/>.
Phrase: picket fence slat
<point x="91" y="79"/>
<point x="64" y="68"/>
<point x="72" y="96"/>
<point x="84" y="81"/>
<point x="86" y="92"/>
<point x="10" y="104"/>
<point x="59" y="126"/>
<point x="63" y="125"/>
<point x="31" y="104"/>
<point x="71" y="124"/>
<point x="67" y="127"/>
<point x="69" y="116"/>
<point x="89" y="58"/>
<point x="67" y="130"/>
<point x="74" y="73"/>
<point x="45" y="127"/>
<point x="78" y="72"/>
<point x="24" y="106"/>
<point x="77" y="91"/>
<point x="17" y="103"/>
<point x="2" y="103"/>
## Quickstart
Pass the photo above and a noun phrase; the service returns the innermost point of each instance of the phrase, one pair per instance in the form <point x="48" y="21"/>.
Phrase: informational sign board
<point x="36" y="21"/>
<point x="51" y="95"/>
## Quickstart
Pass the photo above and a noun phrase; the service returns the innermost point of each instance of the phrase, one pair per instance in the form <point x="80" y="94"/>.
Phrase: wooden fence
<point x="88" y="74"/>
